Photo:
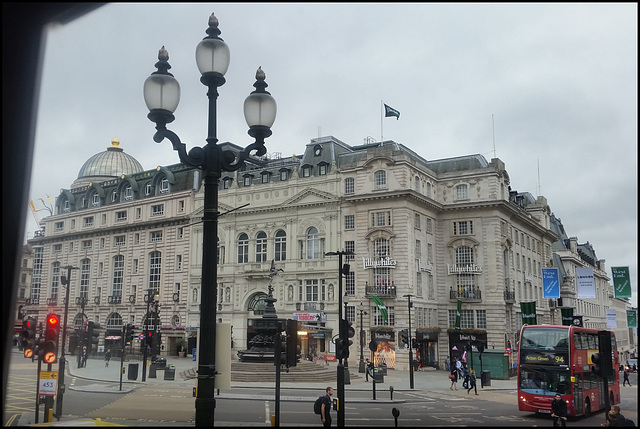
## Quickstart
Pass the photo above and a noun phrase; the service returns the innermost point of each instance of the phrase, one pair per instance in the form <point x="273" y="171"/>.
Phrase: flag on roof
<point x="390" y="111"/>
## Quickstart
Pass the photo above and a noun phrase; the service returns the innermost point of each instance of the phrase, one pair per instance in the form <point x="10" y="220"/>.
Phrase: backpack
<point x="628" y="422"/>
<point x="317" y="406"/>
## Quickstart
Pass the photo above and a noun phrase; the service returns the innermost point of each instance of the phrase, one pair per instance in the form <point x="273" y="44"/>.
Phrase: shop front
<point x="460" y="341"/>
<point x="427" y="347"/>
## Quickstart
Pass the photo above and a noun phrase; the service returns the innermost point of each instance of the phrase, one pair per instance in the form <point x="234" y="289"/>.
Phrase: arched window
<point x="381" y="275"/>
<point x="114" y="321"/>
<point x="313" y="243"/>
<point x="243" y="248"/>
<point x="428" y="189"/>
<point x="416" y="184"/>
<point x="380" y="179"/>
<point x="280" y="246"/>
<point x="261" y="247"/>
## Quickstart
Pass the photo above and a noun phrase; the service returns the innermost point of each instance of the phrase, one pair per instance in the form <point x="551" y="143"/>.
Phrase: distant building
<point x="440" y="231"/>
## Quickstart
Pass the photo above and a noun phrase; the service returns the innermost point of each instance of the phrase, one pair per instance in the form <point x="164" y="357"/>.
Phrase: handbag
<point x="452" y="377"/>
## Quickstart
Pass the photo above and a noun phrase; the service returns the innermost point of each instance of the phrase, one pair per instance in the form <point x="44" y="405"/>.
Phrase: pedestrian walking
<point x="447" y="364"/>
<point x="472" y="381"/>
<point x="453" y="376"/>
<point x="626" y="377"/>
<point x="325" y="411"/>
<point x="107" y="357"/>
<point x="465" y="375"/>
<point x="559" y="411"/>
<point x="368" y="372"/>
<point x="459" y="367"/>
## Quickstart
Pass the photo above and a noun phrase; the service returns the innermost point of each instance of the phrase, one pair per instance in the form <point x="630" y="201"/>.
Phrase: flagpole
<point x="381" y="120"/>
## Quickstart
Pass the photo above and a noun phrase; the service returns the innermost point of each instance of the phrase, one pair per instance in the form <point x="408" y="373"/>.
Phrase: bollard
<point x="396" y="413"/>
<point x="391" y="392"/>
<point x="267" y="413"/>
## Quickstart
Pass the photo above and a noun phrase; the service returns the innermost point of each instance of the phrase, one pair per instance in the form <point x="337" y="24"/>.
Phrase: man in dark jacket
<point x="325" y="411"/>
<point x="559" y="411"/>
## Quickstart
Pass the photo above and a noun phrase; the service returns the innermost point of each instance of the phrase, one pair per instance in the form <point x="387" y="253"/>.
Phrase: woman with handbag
<point x="453" y="376"/>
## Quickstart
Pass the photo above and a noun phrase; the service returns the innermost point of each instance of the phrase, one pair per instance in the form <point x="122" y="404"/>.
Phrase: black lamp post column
<point x="162" y="94"/>
<point x="361" y="365"/>
<point x="411" y="384"/>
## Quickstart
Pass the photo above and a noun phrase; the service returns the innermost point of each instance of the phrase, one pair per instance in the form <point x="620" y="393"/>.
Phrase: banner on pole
<point x="550" y="283"/>
<point x="621" y="282"/>
<point x="567" y="316"/>
<point x="458" y="314"/>
<point x="632" y="319"/>
<point x="528" y="313"/>
<point x="586" y="283"/>
<point x="611" y="318"/>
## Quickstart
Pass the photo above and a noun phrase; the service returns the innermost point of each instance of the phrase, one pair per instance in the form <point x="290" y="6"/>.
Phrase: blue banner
<point x="550" y="283"/>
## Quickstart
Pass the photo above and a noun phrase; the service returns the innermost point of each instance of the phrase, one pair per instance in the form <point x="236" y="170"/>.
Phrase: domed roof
<point x="109" y="164"/>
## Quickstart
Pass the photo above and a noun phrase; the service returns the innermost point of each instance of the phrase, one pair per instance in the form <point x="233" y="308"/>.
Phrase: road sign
<point x="48" y="383"/>
<point x="141" y="337"/>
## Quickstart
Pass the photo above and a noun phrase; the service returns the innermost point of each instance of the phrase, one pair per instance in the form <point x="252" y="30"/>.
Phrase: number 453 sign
<point x="48" y="383"/>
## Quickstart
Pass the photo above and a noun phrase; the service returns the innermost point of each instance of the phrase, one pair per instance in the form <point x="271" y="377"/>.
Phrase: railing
<point x="309" y="306"/>
<point x="114" y="299"/>
<point x="132" y="299"/>
<point x="510" y="295"/>
<point x="176" y="297"/>
<point x="96" y="300"/>
<point x="467" y="293"/>
<point x="52" y="301"/>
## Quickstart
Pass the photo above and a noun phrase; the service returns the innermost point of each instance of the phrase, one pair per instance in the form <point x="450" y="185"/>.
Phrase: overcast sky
<point x="550" y="89"/>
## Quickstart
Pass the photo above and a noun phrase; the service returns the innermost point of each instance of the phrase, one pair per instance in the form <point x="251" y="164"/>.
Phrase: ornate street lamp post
<point x="162" y="94"/>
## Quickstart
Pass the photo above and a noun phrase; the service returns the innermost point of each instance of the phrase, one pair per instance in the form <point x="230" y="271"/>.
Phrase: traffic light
<point x="51" y="338"/>
<point x="468" y="347"/>
<point x="404" y="337"/>
<point x="128" y="333"/>
<point x="344" y="341"/>
<point x="602" y="363"/>
<point x="29" y="336"/>
<point x="292" y="343"/>
<point x="92" y="336"/>
<point x="414" y="343"/>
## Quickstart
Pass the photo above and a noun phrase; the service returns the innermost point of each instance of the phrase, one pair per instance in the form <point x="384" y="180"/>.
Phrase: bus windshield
<point x="544" y="361"/>
<point x="544" y="381"/>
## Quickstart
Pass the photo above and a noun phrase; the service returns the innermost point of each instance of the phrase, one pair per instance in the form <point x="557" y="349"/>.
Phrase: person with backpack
<point x="472" y="382"/>
<point x="322" y="406"/>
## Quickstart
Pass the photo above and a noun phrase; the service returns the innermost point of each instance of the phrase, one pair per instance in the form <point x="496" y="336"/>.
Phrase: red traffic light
<point x="52" y="320"/>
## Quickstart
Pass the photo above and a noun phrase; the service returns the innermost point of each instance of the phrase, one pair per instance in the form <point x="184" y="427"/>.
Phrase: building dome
<point x="107" y="165"/>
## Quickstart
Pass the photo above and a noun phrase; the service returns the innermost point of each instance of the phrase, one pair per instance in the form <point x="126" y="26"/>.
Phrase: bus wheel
<point x="587" y="408"/>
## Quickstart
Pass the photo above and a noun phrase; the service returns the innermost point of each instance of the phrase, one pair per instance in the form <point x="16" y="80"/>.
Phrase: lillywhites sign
<point x="379" y="263"/>
<point x="464" y="269"/>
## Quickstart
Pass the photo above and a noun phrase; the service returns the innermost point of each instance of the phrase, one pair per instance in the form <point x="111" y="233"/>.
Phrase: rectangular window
<point x="461" y="192"/>
<point x="157" y="210"/>
<point x="178" y="262"/>
<point x="136" y="238"/>
<point x="280" y="246"/>
<point x="57" y="248"/>
<point x="121" y="216"/>
<point x="155" y="266"/>
<point x="118" y="275"/>
<point x="430" y="252"/>
<point x="481" y="319"/>
<point x="306" y="171"/>
<point x="180" y="232"/>
<point x="88" y="221"/>
<point x="466" y="319"/>
<point x="284" y="175"/>
<point x="419" y="284"/>
<point x="311" y="290"/>
<point x="119" y="240"/>
<point x="378" y="320"/>
<point x="463" y="228"/>
<point x="349" y="185"/>
<point x="243" y="250"/>
<point x="322" y="169"/>
<point x="349" y="222"/>
<point x="180" y="206"/>
<point x="138" y="212"/>
<point x="246" y="181"/>
<point x="429" y="222"/>
<point x="350" y="283"/>
<point x="135" y="266"/>
<point x="350" y="246"/>
<point x="416" y="221"/>
<point x="156" y="236"/>
<point x="265" y="178"/>
<point x="86" y="244"/>
<point x="381" y="218"/>
<point x="418" y="249"/>
<point x="261" y="249"/>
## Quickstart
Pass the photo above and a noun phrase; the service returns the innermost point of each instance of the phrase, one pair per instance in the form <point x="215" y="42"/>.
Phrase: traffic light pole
<point x="342" y="339"/>
<point x="411" y="384"/>
<point x="62" y="362"/>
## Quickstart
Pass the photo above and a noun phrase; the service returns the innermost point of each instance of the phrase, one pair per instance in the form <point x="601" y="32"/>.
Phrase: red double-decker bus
<point x="557" y="359"/>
